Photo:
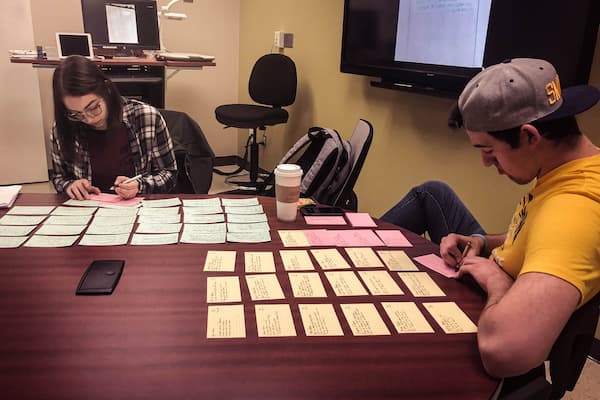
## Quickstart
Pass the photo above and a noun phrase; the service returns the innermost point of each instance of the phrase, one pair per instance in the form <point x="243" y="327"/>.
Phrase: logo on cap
<point x="553" y="90"/>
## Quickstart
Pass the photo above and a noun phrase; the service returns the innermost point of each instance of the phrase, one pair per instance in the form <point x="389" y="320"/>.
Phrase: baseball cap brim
<point x="576" y="99"/>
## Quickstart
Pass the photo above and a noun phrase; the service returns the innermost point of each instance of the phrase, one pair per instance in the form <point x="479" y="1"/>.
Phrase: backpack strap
<point x="299" y="146"/>
<point x="336" y="144"/>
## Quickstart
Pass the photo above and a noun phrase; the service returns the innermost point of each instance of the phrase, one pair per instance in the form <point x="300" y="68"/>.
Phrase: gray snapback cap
<point x="520" y="91"/>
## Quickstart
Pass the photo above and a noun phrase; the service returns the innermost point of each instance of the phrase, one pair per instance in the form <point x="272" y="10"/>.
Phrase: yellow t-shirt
<point x="556" y="228"/>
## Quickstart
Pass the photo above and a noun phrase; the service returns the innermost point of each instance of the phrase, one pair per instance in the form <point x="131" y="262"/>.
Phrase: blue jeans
<point x="433" y="207"/>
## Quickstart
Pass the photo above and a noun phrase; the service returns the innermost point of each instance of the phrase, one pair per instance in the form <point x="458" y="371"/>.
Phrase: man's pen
<point x="464" y="253"/>
<point x="113" y="187"/>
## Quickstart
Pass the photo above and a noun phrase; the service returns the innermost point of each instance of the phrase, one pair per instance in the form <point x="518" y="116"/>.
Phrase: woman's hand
<point x="126" y="190"/>
<point x="81" y="189"/>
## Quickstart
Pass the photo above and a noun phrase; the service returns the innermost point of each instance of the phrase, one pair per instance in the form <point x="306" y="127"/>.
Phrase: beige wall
<point x="22" y="153"/>
<point x="411" y="142"/>
<point x="212" y="28"/>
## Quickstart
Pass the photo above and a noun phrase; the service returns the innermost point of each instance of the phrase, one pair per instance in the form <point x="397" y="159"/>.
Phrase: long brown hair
<point x="79" y="76"/>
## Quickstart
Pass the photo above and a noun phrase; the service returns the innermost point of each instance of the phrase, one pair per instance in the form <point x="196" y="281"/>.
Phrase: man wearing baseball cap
<point x="548" y="263"/>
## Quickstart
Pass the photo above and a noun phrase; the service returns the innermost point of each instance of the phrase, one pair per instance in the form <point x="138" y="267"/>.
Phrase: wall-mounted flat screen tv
<point x="122" y="24"/>
<point x="436" y="46"/>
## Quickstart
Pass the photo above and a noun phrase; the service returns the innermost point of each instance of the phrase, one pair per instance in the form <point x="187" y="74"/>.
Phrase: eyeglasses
<point x="90" y="112"/>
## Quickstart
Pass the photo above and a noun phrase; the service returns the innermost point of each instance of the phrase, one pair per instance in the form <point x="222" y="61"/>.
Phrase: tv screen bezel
<point x="448" y="81"/>
<point x="101" y="41"/>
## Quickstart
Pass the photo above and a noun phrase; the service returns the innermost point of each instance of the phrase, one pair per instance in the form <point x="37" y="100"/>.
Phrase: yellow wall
<point x="411" y="143"/>
<point x="411" y="140"/>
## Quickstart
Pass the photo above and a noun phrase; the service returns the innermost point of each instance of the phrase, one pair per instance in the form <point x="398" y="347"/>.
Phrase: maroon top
<point x="110" y="156"/>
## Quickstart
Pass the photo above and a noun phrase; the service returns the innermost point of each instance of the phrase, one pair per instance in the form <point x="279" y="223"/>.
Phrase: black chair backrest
<point x="360" y="143"/>
<point x="273" y="80"/>
<point x="194" y="155"/>
<point x="572" y="347"/>
<point x="566" y="358"/>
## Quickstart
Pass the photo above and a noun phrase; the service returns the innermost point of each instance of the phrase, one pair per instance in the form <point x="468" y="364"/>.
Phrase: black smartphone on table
<point x="101" y="277"/>
<point x="321" y="211"/>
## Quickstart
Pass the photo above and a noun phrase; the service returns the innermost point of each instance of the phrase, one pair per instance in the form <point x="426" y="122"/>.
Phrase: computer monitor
<point x="121" y="25"/>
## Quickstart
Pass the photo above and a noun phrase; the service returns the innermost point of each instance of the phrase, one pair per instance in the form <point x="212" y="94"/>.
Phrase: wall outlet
<point x="279" y="39"/>
<point x="288" y="40"/>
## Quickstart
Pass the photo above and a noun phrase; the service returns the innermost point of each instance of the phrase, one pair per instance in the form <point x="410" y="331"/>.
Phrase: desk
<point x="53" y="62"/>
<point x="148" y="339"/>
<point x="138" y="77"/>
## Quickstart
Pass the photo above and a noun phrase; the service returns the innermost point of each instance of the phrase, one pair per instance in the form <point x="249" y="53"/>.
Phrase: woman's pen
<point x="464" y="253"/>
<point x="113" y="187"/>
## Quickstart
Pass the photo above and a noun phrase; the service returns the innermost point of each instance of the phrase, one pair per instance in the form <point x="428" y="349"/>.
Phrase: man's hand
<point x="81" y="189"/>
<point x="488" y="275"/>
<point x="452" y="246"/>
<point x="126" y="190"/>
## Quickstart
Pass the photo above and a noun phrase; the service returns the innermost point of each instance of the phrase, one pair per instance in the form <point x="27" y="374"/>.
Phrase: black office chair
<point x="360" y="143"/>
<point x="194" y="156"/>
<point x="272" y="83"/>
<point x="566" y="359"/>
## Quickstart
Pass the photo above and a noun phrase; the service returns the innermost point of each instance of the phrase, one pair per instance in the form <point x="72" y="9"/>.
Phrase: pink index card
<point x="325" y="220"/>
<point x="436" y="264"/>
<point x="361" y="220"/>
<point x="115" y="199"/>
<point x="319" y="237"/>
<point x="393" y="238"/>
<point x="356" y="238"/>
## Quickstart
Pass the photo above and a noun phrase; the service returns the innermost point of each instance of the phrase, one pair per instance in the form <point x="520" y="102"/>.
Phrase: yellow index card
<point x="363" y="257"/>
<point x="364" y="320"/>
<point x="420" y="284"/>
<point x="259" y="261"/>
<point x="223" y="289"/>
<point x="226" y="322"/>
<point x="345" y="283"/>
<point x="320" y="320"/>
<point x="274" y="320"/>
<point x="380" y="283"/>
<point x="330" y="259"/>
<point x="397" y="260"/>
<point x="295" y="238"/>
<point x="220" y="261"/>
<point x="406" y="317"/>
<point x="296" y="260"/>
<point x="264" y="287"/>
<point x="306" y="284"/>
<point x="450" y="317"/>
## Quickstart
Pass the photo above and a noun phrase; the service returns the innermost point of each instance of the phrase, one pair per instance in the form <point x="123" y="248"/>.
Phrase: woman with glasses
<point x="100" y="140"/>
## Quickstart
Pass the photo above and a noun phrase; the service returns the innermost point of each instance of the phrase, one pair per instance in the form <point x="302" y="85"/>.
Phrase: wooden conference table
<point x="148" y="339"/>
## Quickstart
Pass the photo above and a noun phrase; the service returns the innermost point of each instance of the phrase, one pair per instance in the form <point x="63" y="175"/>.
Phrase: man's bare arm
<point x="521" y="320"/>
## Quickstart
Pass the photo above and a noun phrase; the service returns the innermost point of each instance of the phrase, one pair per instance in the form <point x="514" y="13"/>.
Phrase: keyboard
<point x="183" y="57"/>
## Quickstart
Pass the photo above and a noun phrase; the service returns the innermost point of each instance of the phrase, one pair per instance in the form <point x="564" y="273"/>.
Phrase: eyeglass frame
<point x="89" y="112"/>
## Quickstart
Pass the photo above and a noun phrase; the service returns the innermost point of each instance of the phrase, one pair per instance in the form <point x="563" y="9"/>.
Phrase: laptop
<point x="69" y="44"/>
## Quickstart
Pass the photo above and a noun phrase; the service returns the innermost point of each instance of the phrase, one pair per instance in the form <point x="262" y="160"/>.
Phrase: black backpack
<point x="323" y="156"/>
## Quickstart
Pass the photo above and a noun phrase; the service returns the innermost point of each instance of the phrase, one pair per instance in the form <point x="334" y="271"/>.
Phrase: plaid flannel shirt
<point x="151" y="151"/>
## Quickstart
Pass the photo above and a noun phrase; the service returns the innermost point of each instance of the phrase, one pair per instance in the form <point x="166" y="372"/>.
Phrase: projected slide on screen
<point x="121" y="23"/>
<point x="445" y="32"/>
